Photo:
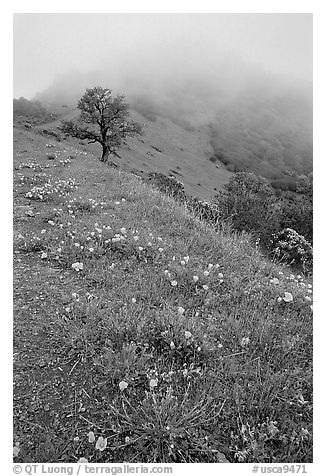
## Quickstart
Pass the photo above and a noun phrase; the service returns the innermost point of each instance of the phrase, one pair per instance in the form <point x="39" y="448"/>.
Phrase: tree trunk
<point x="105" y="153"/>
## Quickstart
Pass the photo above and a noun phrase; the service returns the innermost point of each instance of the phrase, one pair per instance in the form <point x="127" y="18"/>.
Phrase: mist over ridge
<point x="256" y="120"/>
<point x="244" y="80"/>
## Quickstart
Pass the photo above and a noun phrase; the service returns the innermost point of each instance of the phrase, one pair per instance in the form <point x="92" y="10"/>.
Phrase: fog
<point x="139" y="52"/>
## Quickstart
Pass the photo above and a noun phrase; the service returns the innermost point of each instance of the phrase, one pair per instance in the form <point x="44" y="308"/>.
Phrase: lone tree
<point x="103" y="119"/>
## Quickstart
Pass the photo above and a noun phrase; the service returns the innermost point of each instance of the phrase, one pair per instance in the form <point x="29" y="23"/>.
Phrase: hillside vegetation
<point x="30" y="112"/>
<point x="143" y="334"/>
<point x="164" y="147"/>
<point x="246" y="119"/>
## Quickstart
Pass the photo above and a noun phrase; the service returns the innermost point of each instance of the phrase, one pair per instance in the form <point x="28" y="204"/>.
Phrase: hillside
<point x="30" y="112"/>
<point x="140" y="332"/>
<point x="164" y="147"/>
<point x="248" y="120"/>
<point x="270" y="136"/>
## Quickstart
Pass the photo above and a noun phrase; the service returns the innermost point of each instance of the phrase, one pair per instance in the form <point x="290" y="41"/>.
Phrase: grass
<point x="138" y="323"/>
<point x="165" y="147"/>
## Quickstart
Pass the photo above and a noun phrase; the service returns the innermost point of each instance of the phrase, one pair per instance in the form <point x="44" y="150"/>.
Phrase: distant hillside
<point x="30" y="111"/>
<point x="264" y="128"/>
<point x="268" y="135"/>
<point x="240" y="119"/>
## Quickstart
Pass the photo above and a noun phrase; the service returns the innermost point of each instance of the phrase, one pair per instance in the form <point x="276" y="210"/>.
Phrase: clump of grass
<point x="168" y="428"/>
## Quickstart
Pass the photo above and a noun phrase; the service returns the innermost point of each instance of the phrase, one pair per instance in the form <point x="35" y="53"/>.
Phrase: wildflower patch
<point x="50" y="189"/>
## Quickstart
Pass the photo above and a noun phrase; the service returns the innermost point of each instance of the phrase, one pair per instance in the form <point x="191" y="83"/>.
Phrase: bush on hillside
<point x="297" y="208"/>
<point x="285" y="183"/>
<point x="297" y="213"/>
<point x="249" y="203"/>
<point x="293" y="248"/>
<point x="168" y="185"/>
<point x="204" y="210"/>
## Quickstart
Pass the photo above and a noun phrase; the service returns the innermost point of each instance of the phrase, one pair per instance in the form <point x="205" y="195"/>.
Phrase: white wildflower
<point x="288" y="297"/>
<point x="244" y="341"/>
<point x="123" y="385"/>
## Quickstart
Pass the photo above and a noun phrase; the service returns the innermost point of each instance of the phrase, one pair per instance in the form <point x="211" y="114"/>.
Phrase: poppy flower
<point x="101" y="443"/>
<point x="153" y="382"/>
<point x="123" y="385"/>
<point x="288" y="297"/>
<point x="77" y="266"/>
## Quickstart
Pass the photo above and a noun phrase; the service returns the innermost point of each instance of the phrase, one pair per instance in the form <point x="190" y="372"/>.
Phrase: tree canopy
<point x="103" y="119"/>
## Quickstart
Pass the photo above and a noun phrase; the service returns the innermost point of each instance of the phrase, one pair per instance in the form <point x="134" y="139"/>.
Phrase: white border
<point x="319" y="177"/>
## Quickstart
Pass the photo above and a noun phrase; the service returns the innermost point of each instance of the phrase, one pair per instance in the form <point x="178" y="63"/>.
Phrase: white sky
<point x="49" y="44"/>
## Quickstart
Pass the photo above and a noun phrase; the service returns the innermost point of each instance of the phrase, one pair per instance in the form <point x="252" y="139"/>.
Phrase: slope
<point x="167" y="148"/>
<point x="248" y="119"/>
<point x="141" y="333"/>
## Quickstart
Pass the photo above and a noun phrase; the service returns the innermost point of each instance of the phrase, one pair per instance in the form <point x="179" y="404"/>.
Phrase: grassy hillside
<point x="167" y="148"/>
<point x="249" y="120"/>
<point x="30" y="112"/>
<point x="270" y="136"/>
<point x="141" y="333"/>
